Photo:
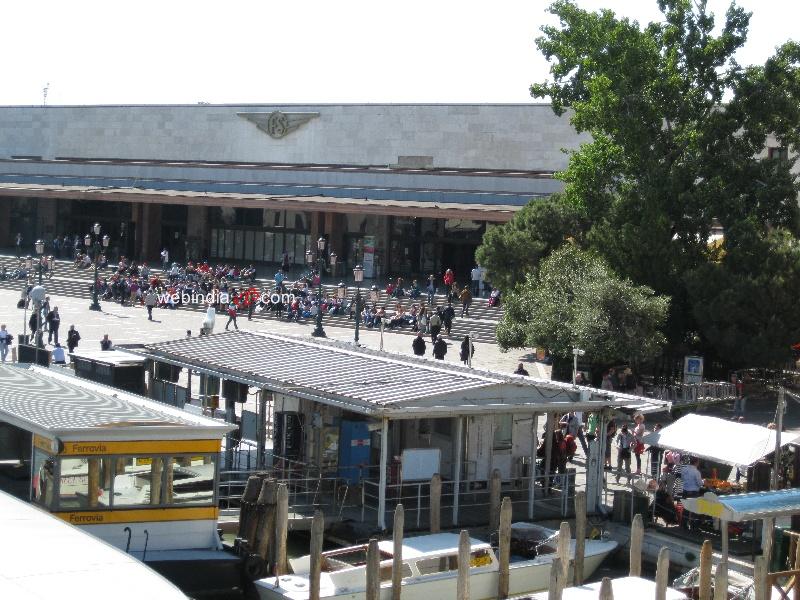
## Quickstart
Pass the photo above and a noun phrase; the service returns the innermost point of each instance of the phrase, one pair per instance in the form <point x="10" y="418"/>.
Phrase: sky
<point x="272" y="51"/>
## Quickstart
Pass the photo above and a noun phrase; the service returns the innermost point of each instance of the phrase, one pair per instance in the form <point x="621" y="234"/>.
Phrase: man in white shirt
<point x="476" y="281"/>
<point x="59" y="358"/>
<point x="692" y="480"/>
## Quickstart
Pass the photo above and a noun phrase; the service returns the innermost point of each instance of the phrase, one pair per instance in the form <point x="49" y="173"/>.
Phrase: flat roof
<point x="43" y="557"/>
<point x="435" y="543"/>
<point x="111" y="357"/>
<point x="373" y="382"/>
<point x="55" y="404"/>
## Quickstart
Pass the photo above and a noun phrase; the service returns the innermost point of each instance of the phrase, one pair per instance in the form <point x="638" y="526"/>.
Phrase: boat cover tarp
<point x="720" y="440"/>
<point x="746" y="507"/>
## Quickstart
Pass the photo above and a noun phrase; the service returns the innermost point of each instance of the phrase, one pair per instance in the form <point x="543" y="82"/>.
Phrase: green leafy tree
<point x="512" y="250"/>
<point x="678" y="136"/>
<point x="746" y="305"/>
<point x="576" y="300"/>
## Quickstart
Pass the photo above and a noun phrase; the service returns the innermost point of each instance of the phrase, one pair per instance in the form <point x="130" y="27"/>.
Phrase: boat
<point x="430" y="565"/>
<point x="740" y="587"/>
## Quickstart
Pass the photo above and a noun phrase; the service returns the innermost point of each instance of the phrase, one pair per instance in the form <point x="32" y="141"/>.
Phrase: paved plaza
<point x="129" y="325"/>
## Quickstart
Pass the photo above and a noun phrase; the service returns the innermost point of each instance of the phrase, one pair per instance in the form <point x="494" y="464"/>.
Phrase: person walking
<point x="18" y="242"/>
<point x="467" y="350"/>
<point x="431" y="289"/>
<point x="53" y="323"/>
<point x="150" y="300"/>
<point x="5" y="341"/>
<point x="164" y="259"/>
<point x="73" y="337"/>
<point x="439" y="348"/>
<point x="465" y="296"/>
<point x="436" y="325"/>
<point x="418" y="345"/>
<point x="624" y="442"/>
<point x="655" y="455"/>
<point x="231" y="317"/>
<point x="448" y="314"/>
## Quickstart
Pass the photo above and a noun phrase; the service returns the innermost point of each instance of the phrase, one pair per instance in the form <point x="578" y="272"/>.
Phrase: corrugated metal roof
<point x="44" y="402"/>
<point x="369" y="381"/>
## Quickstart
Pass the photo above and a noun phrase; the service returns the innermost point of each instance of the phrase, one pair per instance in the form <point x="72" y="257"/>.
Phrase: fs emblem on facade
<point x="278" y="124"/>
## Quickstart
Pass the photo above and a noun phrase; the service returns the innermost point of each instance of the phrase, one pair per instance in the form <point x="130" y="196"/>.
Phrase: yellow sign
<point x="168" y="447"/>
<point x="43" y="443"/>
<point x="712" y="509"/>
<point x="140" y="515"/>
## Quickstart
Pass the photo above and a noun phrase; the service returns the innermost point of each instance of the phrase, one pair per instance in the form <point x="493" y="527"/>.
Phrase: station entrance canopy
<point x="377" y="384"/>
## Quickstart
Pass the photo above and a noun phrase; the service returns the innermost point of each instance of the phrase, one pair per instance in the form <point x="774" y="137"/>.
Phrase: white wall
<point x="523" y="136"/>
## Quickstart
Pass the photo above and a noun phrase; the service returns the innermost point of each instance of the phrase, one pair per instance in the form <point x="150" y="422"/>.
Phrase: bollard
<point x="637" y="538"/>
<point x="606" y="590"/>
<point x="247" y="510"/>
<point x="265" y="530"/>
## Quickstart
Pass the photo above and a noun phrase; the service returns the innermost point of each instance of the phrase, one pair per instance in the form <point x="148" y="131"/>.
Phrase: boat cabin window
<point x="442" y="564"/>
<point x="84" y="483"/>
<point x="124" y="481"/>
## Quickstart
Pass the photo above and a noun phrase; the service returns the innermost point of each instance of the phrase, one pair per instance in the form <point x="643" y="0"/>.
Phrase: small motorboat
<point x="430" y="565"/>
<point x="740" y="587"/>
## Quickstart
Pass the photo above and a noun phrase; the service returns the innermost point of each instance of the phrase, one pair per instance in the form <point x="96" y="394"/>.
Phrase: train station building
<point x="404" y="189"/>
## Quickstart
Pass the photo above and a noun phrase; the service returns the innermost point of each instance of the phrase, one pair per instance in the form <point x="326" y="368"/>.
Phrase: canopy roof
<point x="746" y="507"/>
<point x="50" y="558"/>
<point x="720" y="440"/>
<point x="376" y="383"/>
<point x="52" y="404"/>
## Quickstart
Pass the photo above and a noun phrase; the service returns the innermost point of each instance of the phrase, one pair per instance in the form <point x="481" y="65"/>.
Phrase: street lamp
<point x="96" y="258"/>
<point x="39" y="245"/>
<point x="576" y="352"/>
<point x="358" y="276"/>
<point x="333" y="257"/>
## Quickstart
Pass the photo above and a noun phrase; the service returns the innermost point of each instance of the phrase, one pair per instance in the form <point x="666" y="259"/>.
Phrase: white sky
<point x="271" y="51"/>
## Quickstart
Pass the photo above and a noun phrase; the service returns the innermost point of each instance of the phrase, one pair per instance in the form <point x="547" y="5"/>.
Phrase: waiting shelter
<point x="378" y="421"/>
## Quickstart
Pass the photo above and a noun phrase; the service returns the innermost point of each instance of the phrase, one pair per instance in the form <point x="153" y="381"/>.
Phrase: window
<point x="43" y="478"/>
<point x="138" y="481"/>
<point x="443" y="564"/>
<point x="190" y="480"/>
<point x="502" y="431"/>
<point x="778" y="153"/>
<point x="85" y="483"/>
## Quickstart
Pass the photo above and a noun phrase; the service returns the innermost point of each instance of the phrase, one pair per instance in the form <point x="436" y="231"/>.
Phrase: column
<point x="5" y="222"/>
<point x="150" y="227"/>
<point x="198" y="232"/>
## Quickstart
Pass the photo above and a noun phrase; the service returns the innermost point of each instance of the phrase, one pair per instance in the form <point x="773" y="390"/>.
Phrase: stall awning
<point x="720" y="440"/>
<point x="746" y="507"/>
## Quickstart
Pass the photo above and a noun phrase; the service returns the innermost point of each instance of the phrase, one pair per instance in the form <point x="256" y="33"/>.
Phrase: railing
<point x="690" y="393"/>
<point x="415" y="496"/>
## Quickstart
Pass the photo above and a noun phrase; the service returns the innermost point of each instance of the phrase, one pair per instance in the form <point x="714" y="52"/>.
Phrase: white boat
<point x="430" y="564"/>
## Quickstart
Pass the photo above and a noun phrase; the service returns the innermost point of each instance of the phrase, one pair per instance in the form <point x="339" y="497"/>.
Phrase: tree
<point x="576" y="301"/>
<point x="678" y="135"/>
<point x="746" y="305"/>
<point x="512" y="250"/>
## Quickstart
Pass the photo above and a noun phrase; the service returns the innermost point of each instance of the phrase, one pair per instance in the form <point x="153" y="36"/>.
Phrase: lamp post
<point x="333" y="258"/>
<point x="26" y="297"/>
<point x="576" y="352"/>
<point x="96" y="246"/>
<point x="320" y="258"/>
<point x="358" y="276"/>
<point x="39" y="250"/>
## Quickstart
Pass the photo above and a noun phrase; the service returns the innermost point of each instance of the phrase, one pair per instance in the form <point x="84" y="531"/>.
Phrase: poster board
<point x="693" y="369"/>
<point x="420" y="464"/>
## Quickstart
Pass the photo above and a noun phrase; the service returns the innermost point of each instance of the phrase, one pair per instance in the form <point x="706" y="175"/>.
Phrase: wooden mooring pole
<point x="580" y="535"/>
<point x="265" y="529"/>
<point x="281" y="529"/>
<point x="373" y="591"/>
<point x="495" y="484"/>
<point x="504" y="550"/>
<point x="436" y="503"/>
<point x="721" y="581"/>
<point x="662" y="574"/>
<point x="706" y="555"/>
<point x="637" y="538"/>
<point x="556" y="583"/>
<point x="462" y="584"/>
<point x="315" y="566"/>
<point x="397" y="556"/>
<point x="564" y="537"/>
<point x="247" y="512"/>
